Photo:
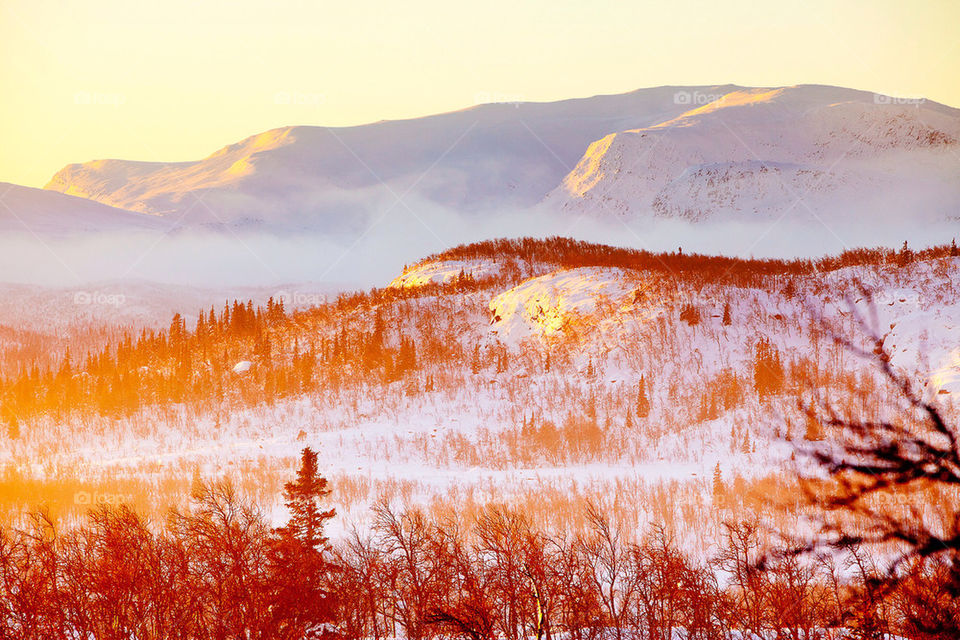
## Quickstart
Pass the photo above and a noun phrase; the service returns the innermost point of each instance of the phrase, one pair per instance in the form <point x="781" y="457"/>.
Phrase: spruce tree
<point x="301" y="498"/>
<point x="814" y="432"/>
<point x="643" y="402"/>
<point x="717" y="483"/>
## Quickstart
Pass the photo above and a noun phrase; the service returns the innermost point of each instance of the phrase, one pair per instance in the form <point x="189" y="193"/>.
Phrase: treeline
<point x="219" y="570"/>
<point x="375" y="337"/>
<point x="198" y="365"/>
<point x="157" y="367"/>
<point x="360" y="338"/>
<point x="570" y="253"/>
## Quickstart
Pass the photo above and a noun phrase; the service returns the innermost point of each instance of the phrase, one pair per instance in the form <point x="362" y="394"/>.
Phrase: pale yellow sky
<point x="176" y="80"/>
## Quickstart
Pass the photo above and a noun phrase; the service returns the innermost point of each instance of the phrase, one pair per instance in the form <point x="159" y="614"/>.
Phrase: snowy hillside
<point x="537" y="372"/>
<point x="545" y="305"/>
<point x="27" y="210"/>
<point x="749" y="153"/>
<point x="444" y="272"/>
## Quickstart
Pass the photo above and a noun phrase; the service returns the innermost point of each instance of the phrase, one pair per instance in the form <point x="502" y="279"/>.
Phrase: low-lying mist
<point x="230" y="257"/>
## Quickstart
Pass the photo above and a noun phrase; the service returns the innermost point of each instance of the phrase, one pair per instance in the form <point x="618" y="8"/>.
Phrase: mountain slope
<point x="695" y="153"/>
<point x="484" y="157"/>
<point x="39" y="211"/>
<point x="761" y="153"/>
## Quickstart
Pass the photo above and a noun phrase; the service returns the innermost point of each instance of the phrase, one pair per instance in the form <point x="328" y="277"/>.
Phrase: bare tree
<point x="608" y="565"/>
<point x="888" y="487"/>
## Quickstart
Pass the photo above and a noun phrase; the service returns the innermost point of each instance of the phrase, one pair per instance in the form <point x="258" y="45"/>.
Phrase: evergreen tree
<point x="814" y="431"/>
<point x="643" y="402"/>
<point x="13" y="423"/>
<point x="406" y="356"/>
<point x="475" y="361"/>
<point x="178" y="332"/>
<point x="201" y="331"/>
<point x="726" y="315"/>
<point x="905" y="256"/>
<point x="768" y="371"/>
<point x="301" y="497"/>
<point x="690" y="314"/>
<point x="717" y="483"/>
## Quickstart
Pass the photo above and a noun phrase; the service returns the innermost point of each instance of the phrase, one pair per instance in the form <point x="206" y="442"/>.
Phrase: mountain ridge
<point x="39" y="210"/>
<point x="518" y="156"/>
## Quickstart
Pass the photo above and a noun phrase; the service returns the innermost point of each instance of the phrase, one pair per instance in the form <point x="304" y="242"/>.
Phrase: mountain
<point x="760" y="153"/>
<point x="40" y="211"/>
<point x="485" y="157"/>
<point x="691" y="153"/>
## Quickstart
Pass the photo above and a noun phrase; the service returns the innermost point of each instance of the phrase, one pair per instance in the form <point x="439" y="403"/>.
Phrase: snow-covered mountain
<point x="488" y="156"/>
<point x="24" y="209"/>
<point x="760" y="153"/>
<point x="681" y="152"/>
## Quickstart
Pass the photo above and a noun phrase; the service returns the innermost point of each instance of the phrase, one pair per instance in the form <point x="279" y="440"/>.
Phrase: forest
<point x="353" y="336"/>
<point x="724" y="369"/>
<point x="218" y="570"/>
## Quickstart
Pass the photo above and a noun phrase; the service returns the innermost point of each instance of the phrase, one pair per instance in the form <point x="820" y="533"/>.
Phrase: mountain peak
<point x="629" y="154"/>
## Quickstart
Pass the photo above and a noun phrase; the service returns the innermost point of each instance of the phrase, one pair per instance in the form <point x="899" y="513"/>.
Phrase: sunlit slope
<point x="808" y="151"/>
<point x="485" y="157"/>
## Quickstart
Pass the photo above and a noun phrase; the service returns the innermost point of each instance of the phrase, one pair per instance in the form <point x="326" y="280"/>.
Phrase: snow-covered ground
<point x="24" y="209"/>
<point x="444" y="272"/>
<point x="544" y="305"/>
<point x="546" y="414"/>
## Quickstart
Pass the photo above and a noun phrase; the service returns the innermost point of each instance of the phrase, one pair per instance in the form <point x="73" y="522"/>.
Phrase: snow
<point x="444" y="272"/>
<point x="491" y="156"/>
<point x="24" y="209"/>
<point x="918" y="317"/>
<point x="138" y="303"/>
<point x="945" y="379"/>
<point x="747" y="150"/>
<point x="544" y="305"/>
<point x="838" y="152"/>
<point x="242" y="367"/>
<point x="603" y="328"/>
